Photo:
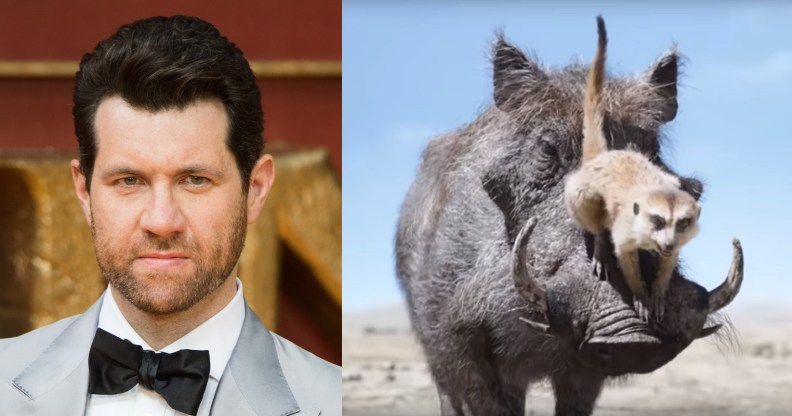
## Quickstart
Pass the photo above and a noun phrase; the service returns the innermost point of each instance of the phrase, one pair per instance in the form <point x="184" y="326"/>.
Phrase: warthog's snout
<point x="606" y="329"/>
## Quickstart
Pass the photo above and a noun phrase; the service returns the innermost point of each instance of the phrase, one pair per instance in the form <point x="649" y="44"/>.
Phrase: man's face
<point x="166" y="207"/>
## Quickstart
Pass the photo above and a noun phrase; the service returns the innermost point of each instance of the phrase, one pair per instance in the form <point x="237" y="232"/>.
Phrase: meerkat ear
<point x="636" y="208"/>
<point x="515" y="77"/>
<point x="663" y="79"/>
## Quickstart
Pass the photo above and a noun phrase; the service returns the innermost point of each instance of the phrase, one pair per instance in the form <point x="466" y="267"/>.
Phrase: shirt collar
<point x="218" y="334"/>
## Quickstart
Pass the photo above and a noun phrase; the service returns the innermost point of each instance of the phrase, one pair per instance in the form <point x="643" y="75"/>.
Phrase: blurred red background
<point x="302" y="108"/>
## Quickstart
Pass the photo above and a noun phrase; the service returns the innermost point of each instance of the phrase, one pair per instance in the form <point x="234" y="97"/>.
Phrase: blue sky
<point x="413" y="70"/>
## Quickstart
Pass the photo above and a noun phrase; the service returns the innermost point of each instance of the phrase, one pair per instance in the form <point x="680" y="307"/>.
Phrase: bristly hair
<point x="532" y="93"/>
<point x="726" y="338"/>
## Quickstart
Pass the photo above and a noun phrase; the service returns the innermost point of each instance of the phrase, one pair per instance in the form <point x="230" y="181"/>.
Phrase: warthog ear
<point x="692" y="185"/>
<point x="663" y="79"/>
<point x="515" y="77"/>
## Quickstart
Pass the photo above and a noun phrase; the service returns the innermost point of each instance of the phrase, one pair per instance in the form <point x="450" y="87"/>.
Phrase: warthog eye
<point x="548" y="151"/>
<point x="547" y="157"/>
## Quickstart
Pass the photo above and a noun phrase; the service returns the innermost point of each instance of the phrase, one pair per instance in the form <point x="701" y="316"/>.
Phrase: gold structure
<point x="47" y="266"/>
<point x="261" y="68"/>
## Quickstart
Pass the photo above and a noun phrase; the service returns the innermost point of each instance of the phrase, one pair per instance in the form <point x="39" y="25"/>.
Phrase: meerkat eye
<point x="658" y="222"/>
<point x="683" y="224"/>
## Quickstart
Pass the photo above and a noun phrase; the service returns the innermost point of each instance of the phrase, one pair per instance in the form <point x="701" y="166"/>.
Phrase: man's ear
<point x="78" y="177"/>
<point x="260" y="184"/>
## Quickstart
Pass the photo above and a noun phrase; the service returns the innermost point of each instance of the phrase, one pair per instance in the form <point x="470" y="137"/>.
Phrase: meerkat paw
<point x="599" y="269"/>
<point x="640" y="306"/>
<point x="597" y="264"/>
<point x="657" y="303"/>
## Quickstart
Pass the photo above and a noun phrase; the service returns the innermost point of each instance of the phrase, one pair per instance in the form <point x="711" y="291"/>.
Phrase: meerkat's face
<point x="665" y="221"/>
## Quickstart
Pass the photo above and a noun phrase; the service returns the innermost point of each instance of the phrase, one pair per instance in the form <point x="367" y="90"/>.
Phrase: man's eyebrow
<point x="119" y="171"/>
<point x="200" y="170"/>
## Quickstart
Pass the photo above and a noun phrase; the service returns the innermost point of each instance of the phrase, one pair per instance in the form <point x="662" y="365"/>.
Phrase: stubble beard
<point x="211" y="268"/>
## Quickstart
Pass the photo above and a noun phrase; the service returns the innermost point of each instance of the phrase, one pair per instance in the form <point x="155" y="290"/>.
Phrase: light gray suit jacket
<point x="45" y="372"/>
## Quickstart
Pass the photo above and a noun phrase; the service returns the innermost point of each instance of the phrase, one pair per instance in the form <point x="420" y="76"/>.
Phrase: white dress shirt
<point x="218" y="335"/>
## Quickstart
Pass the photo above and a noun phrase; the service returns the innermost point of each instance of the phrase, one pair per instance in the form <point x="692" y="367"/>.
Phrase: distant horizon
<point x="745" y="318"/>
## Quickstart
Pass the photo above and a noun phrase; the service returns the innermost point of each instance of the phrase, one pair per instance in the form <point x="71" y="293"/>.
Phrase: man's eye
<point x="130" y="181"/>
<point x="197" y="180"/>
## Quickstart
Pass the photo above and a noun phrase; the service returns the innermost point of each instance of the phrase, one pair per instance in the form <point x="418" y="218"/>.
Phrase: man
<point x="169" y="123"/>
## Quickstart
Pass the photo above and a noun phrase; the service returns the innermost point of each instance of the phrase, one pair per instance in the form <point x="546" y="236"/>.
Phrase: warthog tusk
<point x="524" y="282"/>
<point x="709" y="331"/>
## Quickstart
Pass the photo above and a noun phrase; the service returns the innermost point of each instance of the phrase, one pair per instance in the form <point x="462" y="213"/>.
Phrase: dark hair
<point x="162" y="63"/>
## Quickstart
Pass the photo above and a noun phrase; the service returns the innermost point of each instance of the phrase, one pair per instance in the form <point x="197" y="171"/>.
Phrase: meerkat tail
<point x="594" y="141"/>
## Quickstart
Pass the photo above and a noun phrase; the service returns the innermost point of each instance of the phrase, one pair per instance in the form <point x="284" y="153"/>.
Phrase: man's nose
<point x="162" y="215"/>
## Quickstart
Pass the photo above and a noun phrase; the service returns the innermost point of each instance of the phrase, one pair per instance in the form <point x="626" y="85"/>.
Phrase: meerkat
<point x="623" y="192"/>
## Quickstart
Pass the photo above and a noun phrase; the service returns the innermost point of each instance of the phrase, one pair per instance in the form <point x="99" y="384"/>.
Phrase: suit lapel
<point x="62" y="370"/>
<point x="253" y="383"/>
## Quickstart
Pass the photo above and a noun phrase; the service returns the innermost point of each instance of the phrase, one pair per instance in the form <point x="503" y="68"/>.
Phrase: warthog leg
<point x="576" y="392"/>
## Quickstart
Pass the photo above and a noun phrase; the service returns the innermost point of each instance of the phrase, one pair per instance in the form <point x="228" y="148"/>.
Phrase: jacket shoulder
<point x="16" y="353"/>
<point x="314" y="382"/>
<point x="19" y="351"/>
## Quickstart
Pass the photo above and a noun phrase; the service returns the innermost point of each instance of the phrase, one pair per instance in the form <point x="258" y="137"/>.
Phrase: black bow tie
<point x="116" y="365"/>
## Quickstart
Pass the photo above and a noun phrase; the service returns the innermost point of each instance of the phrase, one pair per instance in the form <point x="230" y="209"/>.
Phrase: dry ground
<point x="385" y="374"/>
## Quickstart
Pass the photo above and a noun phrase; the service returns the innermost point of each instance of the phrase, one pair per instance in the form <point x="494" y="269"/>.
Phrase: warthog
<point x="498" y="277"/>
